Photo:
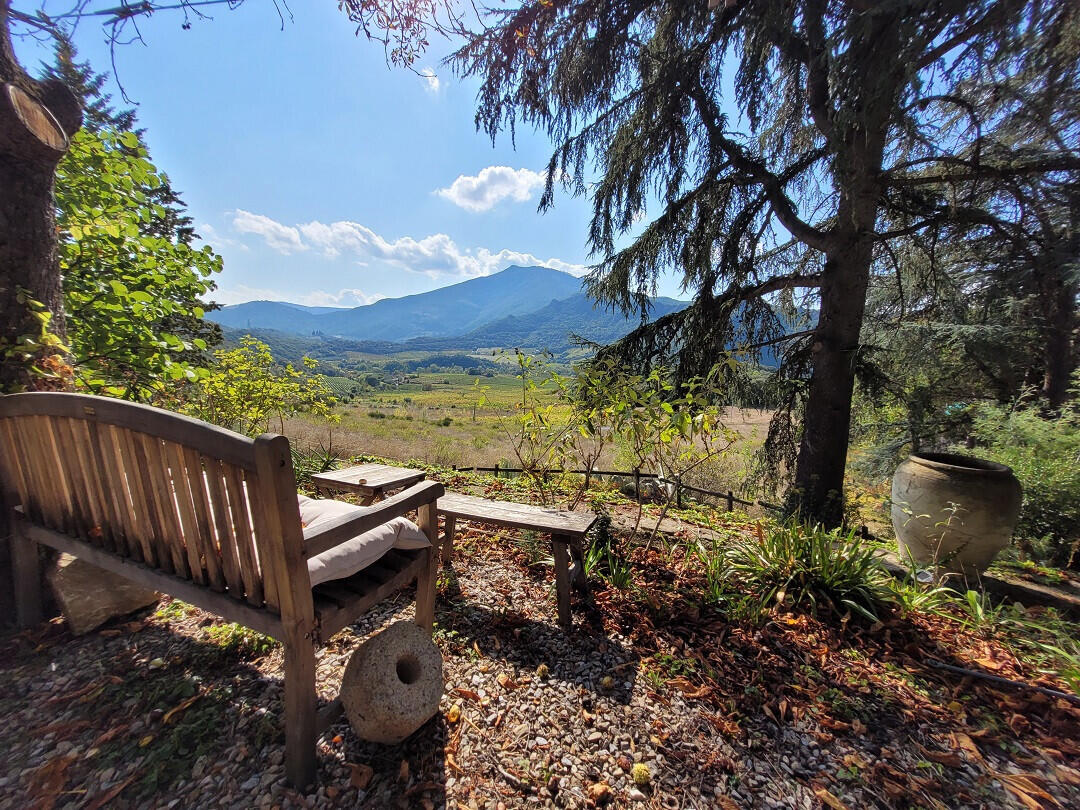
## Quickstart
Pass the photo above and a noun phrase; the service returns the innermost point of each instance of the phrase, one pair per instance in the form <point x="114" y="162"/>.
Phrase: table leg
<point x="559" y="551"/>
<point x="366" y="498"/>
<point x="577" y="552"/>
<point x="448" y="539"/>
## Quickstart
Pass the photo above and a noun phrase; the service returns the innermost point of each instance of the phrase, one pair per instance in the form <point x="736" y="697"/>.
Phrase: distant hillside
<point x="447" y="311"/>
<point x="549" y="328"/>
<point x="314" y="310"/>
<point x="278" y="315"/>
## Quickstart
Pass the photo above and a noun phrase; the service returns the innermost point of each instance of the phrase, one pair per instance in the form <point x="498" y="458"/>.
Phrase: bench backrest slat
<point x="159" y="488"/>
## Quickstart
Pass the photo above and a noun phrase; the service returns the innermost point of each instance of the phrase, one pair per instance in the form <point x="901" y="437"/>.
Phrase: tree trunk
<point x="36" y="119"/>
<point x="819" y="472"/>
<point x="1059" y="357"/>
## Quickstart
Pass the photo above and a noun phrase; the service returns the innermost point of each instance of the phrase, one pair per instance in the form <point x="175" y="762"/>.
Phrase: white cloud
<point x="483" y="191"/>
<point x="343" y="298"/>
<point x="279" y="237"/>
<point x="239" y="293"/>
<point x="436" y="255"/>
<point x="208" y="235"/>
<point x="431" y="80"/>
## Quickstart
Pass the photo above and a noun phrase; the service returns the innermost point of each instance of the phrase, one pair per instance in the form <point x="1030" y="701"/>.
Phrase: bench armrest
<point x="349" y="526"/>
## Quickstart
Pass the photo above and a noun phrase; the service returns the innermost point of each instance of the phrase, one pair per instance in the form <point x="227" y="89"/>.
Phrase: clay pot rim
<point x="954" y="462"/>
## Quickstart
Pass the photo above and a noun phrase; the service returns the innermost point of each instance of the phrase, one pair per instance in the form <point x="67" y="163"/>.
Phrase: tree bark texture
<point x="36" y="119"/>
<point x="1059" y="352"/>
<point x="822" y="460"/>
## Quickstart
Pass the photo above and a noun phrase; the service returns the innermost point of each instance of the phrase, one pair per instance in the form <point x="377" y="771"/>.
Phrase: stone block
<point x="89" y="596"/>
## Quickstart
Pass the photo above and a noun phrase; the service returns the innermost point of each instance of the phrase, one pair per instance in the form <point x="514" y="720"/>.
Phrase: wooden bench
<point x="203" y="514"/>
<point x="567" y="530"/>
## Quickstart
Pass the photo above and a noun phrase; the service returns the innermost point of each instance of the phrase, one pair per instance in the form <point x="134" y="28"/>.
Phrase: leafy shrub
<point x="806" y="567"/>
<point x="246" y="388"/>
<point x="1044" y="452"/>
<point x="376" y="415"/>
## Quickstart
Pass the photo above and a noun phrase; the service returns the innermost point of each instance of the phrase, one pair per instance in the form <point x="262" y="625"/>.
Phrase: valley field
<point x="439" y="419"/>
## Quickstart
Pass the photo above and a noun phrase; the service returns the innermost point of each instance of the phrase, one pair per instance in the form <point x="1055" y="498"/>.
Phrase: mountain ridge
<point x="444" y="312"/>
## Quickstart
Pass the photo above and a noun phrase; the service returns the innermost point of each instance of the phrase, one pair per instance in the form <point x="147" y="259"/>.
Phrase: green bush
<point x="805" y="568"/>
<point x="1044" y="452"/>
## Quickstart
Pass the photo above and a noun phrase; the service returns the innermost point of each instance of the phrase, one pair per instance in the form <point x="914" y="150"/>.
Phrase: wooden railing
<point x="729" y="497"/>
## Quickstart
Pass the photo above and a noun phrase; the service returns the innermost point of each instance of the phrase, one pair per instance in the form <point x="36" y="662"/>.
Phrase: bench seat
<point x="567" y="531"/>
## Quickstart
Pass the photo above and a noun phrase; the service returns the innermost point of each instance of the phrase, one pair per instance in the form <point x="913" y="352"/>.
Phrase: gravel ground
<point x="172" y="709"/>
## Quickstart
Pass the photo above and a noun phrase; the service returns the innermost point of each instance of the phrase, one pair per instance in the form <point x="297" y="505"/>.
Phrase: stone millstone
<point x="392" y="684"/>
<point x="89" y="596"/>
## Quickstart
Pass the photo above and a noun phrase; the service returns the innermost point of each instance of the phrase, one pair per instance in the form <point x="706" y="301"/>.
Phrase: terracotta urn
<point x="953" y="513"/>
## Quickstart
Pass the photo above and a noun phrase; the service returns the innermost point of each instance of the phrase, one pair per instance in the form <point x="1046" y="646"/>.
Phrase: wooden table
<point x="567" y="530"/>
<point x="368" y="481"/>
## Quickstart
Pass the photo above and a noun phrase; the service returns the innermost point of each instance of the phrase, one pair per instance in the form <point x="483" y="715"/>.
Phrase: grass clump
<point x="803" y="568"/>
<point x="238" y="640"/>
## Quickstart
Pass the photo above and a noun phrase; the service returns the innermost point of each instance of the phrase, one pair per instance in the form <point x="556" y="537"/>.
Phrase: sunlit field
<point x="461" y="420"/>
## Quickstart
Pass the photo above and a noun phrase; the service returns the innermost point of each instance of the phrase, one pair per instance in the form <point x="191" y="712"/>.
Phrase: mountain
<point x="279" y="315"/>
<point x="452" y="310"/>
<point x="314" y="310"/>
<point x="550" y="328"/>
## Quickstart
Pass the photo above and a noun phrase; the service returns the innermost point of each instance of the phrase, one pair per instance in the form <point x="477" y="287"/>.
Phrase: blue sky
<point x="321" y="175"/>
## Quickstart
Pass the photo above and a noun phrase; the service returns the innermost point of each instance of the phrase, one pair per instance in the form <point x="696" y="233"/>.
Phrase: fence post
<point x="496" y="469"/>
<point x="730" y="501"/>
<point x="637" y="483"/>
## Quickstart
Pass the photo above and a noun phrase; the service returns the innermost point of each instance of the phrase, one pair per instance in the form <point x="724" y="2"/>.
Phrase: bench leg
<point x="559" y="550"/>
<point x="448" y="540"/>
<point x="425" y="582"/>
<point x="300" y="712"/>
<point x="26" y="575"/>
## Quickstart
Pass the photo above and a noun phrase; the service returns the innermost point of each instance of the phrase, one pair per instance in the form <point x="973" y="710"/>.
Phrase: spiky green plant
<point x="808" y="567"/>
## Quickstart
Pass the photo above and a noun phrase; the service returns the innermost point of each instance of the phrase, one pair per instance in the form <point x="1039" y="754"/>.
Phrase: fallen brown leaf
<point x="600" y="793"/>
<point x="111" y="734"/>
<point x="1025" y="788"/>
<point x="176" y="710"/>
<point x="360" y="776"/>
<point x="826" y="798"/>
<point x="950" y="758"/>
<point x="106" y="797"/>
<point x="966" y="744"/>
<point x="47" y="782"/>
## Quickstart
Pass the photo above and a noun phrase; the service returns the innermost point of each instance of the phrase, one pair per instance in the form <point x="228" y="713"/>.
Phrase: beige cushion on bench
<point x="346" y="559"/>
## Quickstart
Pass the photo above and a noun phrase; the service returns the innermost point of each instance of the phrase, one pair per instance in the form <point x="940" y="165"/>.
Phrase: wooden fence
<point x="729" y="497"/>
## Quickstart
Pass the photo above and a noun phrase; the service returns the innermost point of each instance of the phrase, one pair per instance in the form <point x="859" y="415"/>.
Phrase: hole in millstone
<point x="408" y="669"/>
